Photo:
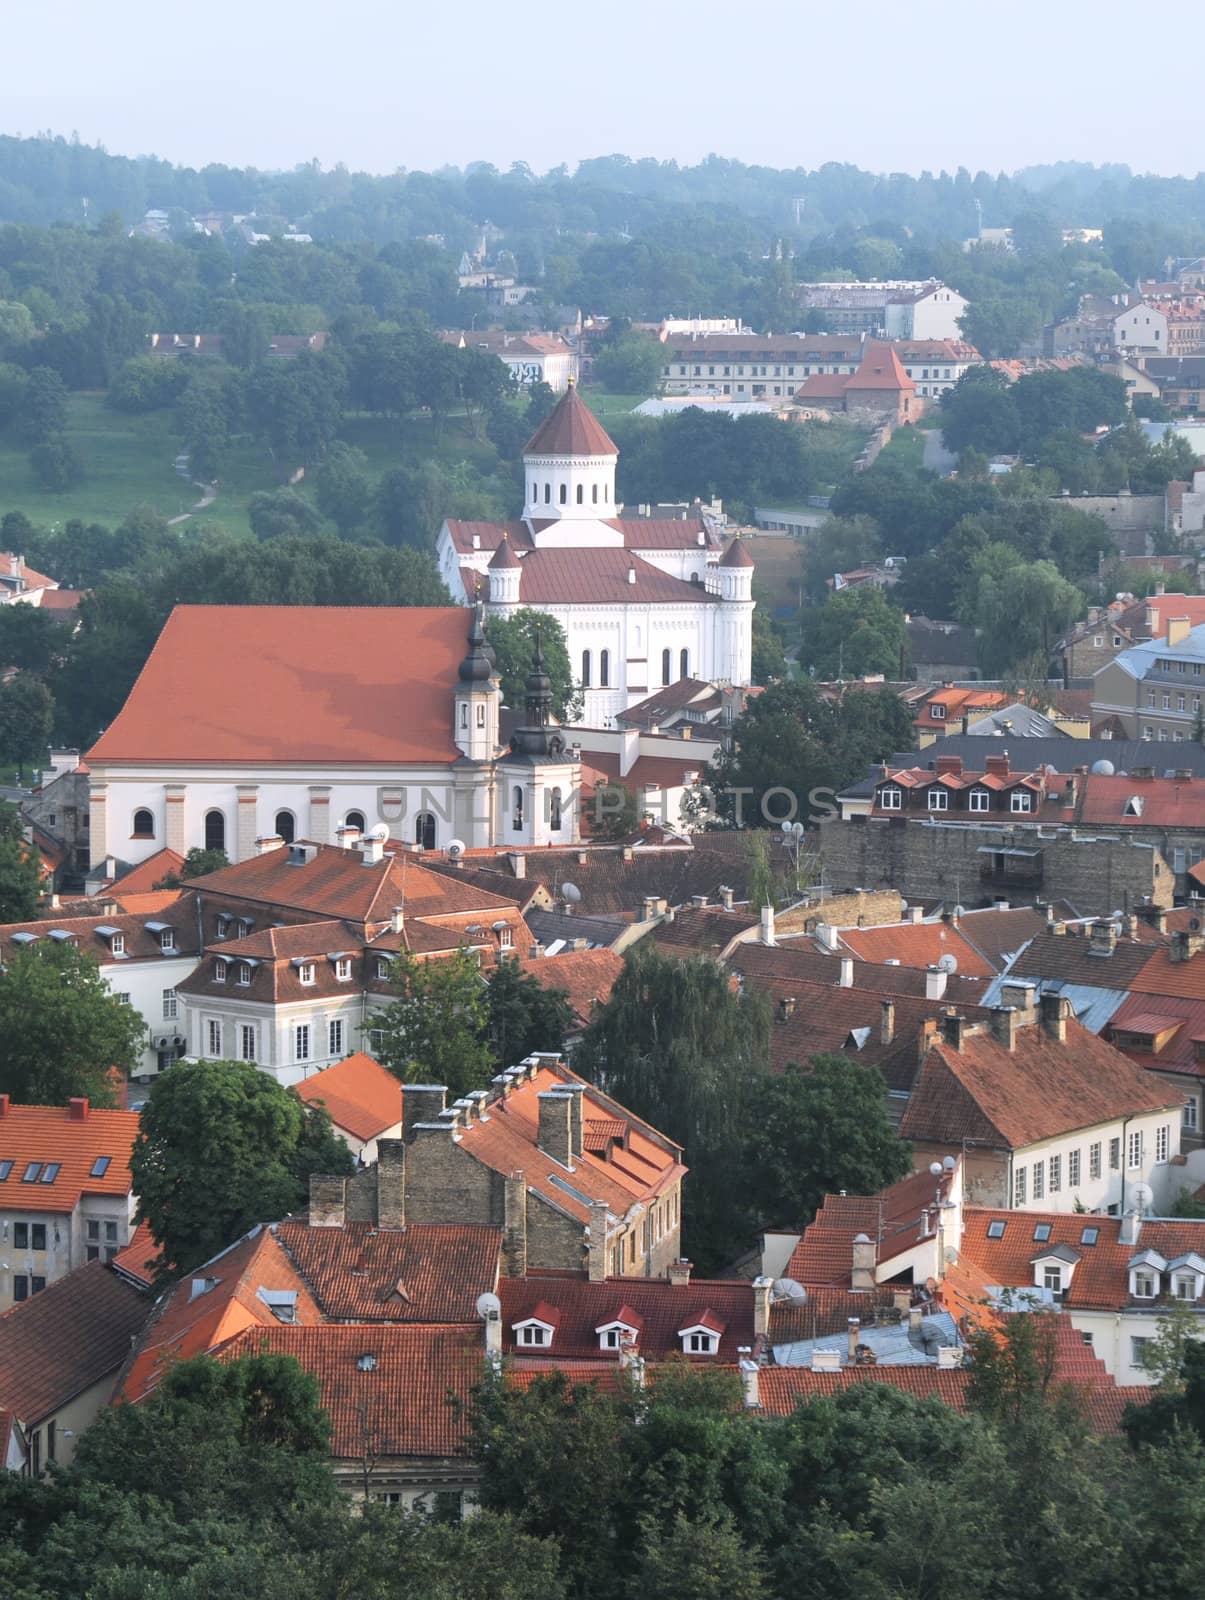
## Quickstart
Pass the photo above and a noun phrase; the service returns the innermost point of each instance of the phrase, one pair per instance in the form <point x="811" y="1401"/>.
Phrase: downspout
<point x="1125" y="1122"/>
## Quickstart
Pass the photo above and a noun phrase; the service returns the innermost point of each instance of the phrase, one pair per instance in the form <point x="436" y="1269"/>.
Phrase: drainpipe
<point x="1125" y="1122"/>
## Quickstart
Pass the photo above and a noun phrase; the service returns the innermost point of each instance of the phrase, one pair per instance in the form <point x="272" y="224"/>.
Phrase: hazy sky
<point x="890" y="86"/>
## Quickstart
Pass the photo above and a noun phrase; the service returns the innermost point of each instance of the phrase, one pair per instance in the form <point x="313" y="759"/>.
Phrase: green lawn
<point x="906" y="448"/>
<point x="615" y="405"/>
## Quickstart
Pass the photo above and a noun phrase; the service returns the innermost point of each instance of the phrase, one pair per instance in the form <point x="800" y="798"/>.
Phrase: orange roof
<point x="404" y="1401"/>
<point x="146" y="876"/>
<point x="824" y="1254"/>
<point x="213" y="1304"/>
<point x="360" y="1095"/>
<point x="424" y="1272"/>
<point x="570" y="429"/>
<point x="137" y="1260"/>
<point x="917" y="944"/>
<point x="881" y="369"/>
<point x="310" y="684"/>
<point x="1185" y="980"/>
<point x="586" y="976"/>
<point x="68" y="1142"/>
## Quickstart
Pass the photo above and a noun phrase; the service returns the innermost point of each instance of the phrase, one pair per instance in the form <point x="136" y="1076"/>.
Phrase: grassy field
<point x="611" y="405"/>
<point x="906" y="448"/>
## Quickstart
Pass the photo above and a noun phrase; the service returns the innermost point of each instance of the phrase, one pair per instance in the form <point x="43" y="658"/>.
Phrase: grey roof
<point x="1094" y="1008"/>
<point x="894" y="1344"/>
<point x="1027" y="754"/>
<point x="1017" y="718"/>
<point x="599" y="932"/>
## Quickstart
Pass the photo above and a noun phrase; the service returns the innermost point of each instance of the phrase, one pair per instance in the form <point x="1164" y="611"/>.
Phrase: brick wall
<point x="863" y="909"/>
<point x="1097" y="874"/>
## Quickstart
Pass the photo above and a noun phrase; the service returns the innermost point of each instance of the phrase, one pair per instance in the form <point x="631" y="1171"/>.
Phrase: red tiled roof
<point x="586" y="976"/>
<point x="186" y="1323"/>
<point x="145" y="905"/>
<point x="824" y="386"/>
<point x="1163" y="976"/>
<point x="61" y="599"/>
<point x="147" y="874"/>
<point x="918" y="944"/>
<point x="48" y="1136"/>
<point x="66" y="1338"/>
<point x="1183" y="1052"/>
<point x="891" y="1218"/>
<point x="781" y="1389"/>
<point x="880" y="369"/>
<point x="1008" y="1099"/>
<point x="654" y="1306"/>
<point x="360" y="1095"/>
<point x="404" y="1403"/>
<point x="136" y="1261"/>
<point x="354" y="1272"/>
<point x="600" y="577"/>
<point x="570" y="429"/>
<point x="327" y="684"/>
<point x="1165" y="802"/>
<point x="799" y="959"/>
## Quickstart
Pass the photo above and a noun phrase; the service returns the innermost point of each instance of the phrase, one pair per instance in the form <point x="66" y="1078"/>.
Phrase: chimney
<point x="421" y="1102"/>
<point x="1131" y="1228"/>
<point x="862" y="1274"/>
<point x="678" y="1272"/>
<point x="328" y="1201"/>
<point x="915" y="1318"/>
<point x="1004" y="1026"/>
<point x="926" y="1036"/>
<point x="935" y="983"/>
<point x="949" y="1355"/>
<point x="555" y="1137"/>
<point x="1177" y="631"/>
<point x="269" y="842"/>
<point x="1019" y="995"/>
<point x="767" y="925"/>
<point x="749" y="1378"/>
<point x="1102" y="938"/>
<point x="77" y="1108"/>
<point x="886" y="1021"/>
<point x="1156" y="916"/>
<point x="372" y="850"/>
<point x="597" y="1261"/>
<point x="853" y="1330"/>
<point x="347" y="837"/>
<point x="914" y="914"/>
<point x="847" y="972"/>
<point x="518" y="864"/>
<point x="397" y="919"/>
<point x="493" y="1333"/>
<point x="648" y="908"/>
<point x="391" y="1183"/>
<point x="1185" y="945"/>
<point x="828" y="936"/>
<point x="577" y="1128"/>
<point x="826" y="1360"/>
<point x="952" y="1028"/>
<point x="1056" y="1008"/>
<point x="514" y="1225"/>
<point x="3" y="1105"/>
<point x="698" y="901"/>
<point x="901" y="1300"/>
<point x="726" y="896"/>
<point x="761" y="1305"/>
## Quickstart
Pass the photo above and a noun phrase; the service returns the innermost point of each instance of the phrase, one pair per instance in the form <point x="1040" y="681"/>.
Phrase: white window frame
<point x="1020" y="801"/>
<point x="938" y="799"/>
<point x="1145" y="1276"/>
<point x="117" y="945"/>
<point x="213" y="1038"/>
<point x="533" y="1335"/>
<point x="1055" y="1175"/>
<point x="979" y="800"/>
<point x="1074" y="1168"/>
<point x="220" y="968"/>
<point x="1190" y="1115"/>
<point x="171" y="1005"/>
<point x="1134" y="1151"/>
<point x="248" y="1042"/>
<point x="305" y="973"/>
<point x="1163" y="1142"/>
<point x="1095" y="1162"/>
<point x="1039" y="1180"/>
<point x="334" y="1036"/>
<point x="343" y="969"/>
<point x="699" y="1342"/>
<point x="891" y="798"/>
<point x="242" y="974"/>
<point x="167" y="940"/>
<point x="938" y="713"/>
<point x="1052" y="1278"/>
<point x="302" y="1040"/>
<point x="1019" y="1182"/>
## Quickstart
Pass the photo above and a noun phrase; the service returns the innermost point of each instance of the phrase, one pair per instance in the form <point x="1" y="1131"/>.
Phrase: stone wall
<point x="1097" y="873"/>
<point x="863" y="909"/>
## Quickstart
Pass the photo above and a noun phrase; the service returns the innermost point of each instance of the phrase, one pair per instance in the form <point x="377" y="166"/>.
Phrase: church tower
<point x="569" y="474"/>
<point x="476" y="699"/>
<point x="734" y="622"/>
<point x="504" y="576"/>
<point x="538" y="778"/>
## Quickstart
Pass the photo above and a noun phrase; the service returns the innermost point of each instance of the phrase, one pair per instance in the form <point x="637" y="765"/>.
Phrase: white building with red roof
<point x="643" y="601"/>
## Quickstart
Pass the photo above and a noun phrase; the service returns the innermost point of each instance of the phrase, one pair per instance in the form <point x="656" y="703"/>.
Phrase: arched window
<point x="144" y="825"/>
<point x="694" y="578"/>
<point x="286" y="826"/>
<point x="604" y="669"/>
<point x="481" y="716"/>
<point x="354" y="819"/>
<point x="517" y="805"/>
<point x="554" y="810"/>
<point x="594" y="494"/>
<point x="547" y="493"/>
<point x="606" y="491"/>
<point x="665" y="666"/>
<point x="684" y="664"/>
<point x="424" y="830"/>
<point x="535" y="491"/>
<point x="564" y="494"/>
<point x="215" y="830"/>
<point x="581" y="493"/>
<point x="585" y="669"/>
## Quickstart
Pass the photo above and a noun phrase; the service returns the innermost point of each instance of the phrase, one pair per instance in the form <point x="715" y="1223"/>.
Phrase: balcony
<point x="1010" y="869"/>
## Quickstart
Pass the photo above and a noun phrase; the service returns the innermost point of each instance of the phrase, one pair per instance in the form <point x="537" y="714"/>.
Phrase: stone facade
<point x="960" y="862"/>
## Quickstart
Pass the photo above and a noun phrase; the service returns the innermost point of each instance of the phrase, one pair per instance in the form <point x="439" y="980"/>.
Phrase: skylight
<point x="50" y="1172"/>
<point x="100" y="1166"/>
<point x="1042" y="1232"/>
<point x="30" y="1175"/>
<point x="1089" y="1236"/>
<point x="5" y="1168"/>
<point x="995" y="1230"/>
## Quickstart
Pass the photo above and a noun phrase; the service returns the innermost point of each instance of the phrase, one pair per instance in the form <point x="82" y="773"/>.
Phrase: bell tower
<point x="475" y="702"/>
<point x="539" y="778"/>
<point x="569" y="476"/>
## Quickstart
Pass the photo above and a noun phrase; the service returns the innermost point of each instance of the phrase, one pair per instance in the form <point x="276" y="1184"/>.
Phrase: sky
<point x="889" y="85"/>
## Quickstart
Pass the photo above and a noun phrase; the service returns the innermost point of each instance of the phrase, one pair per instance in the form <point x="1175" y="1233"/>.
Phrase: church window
<point x="535" y="491"/>
<point x="144" y="825"/>
<point x="666" y="666"/>
<point x="594" y="493"/>
<point x="585" y="669"/>
<point x="604" y="669"/>
<point x="581" y="493"/>
<point x="684" y="664"/>
<point x="547" y="493"/>
<point x="564" y="494"/>
<point x="285" y="826"/>
<point x="424" y="830"/>
<point x="517" y="801"/>
<point x="464" y="716"/>
<point x="481" y="716"/>
<point x="554" y="810"/>
<point x="215" y="830"/>
<point x="355" y="819"/>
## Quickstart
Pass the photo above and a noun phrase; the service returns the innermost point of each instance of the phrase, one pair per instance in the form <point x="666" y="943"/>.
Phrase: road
<point x="937" y="457"/>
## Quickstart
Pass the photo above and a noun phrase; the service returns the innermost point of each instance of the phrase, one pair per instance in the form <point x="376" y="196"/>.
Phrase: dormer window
<point x="242" y="973"/>
<point x="891" y="798"/>
<point x="117" y="944"/>
<point x="979" y="800"/>
<point x="305" y="972"/>
<point x="701" y="1338"/>
<point x="382" y="967"/>
<point x="167" y="940"/>
<point x="220" y="968"/>
<point x="1143" y="1284"/>
<point x="621" y="1332"/>
<point x="1188" y="1276"/>
<point x="939" y="800"/>
<point x="1020" y="800"/>
<point x="343" y="968"/>
<point x="939" y="713"/>
<point x="536" y="1331"/>
<point x="1184" y="1286"/>
<point x="223" y="927"/>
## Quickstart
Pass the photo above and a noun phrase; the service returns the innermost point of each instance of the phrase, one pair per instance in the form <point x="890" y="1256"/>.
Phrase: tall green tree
<point x="65" y="1032"/>
<point x="20" y="879"/>
<point x="222" y="1146"/>
<point x="435" y="1031"/>
<point x="857" y="632"/>
<point x="524" y="1016"/>
<point x="514" y="643"/>
<point x="26" y="720"/>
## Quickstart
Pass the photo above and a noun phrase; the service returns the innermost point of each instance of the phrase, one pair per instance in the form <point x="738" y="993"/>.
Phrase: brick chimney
<point x="328" y="1201"/>
<point x="761" y="1305"/>
<point x="928" y="1032"/>
<point x="4" y="1103"/>
<point x="952" y="1028"/>
<point x="887" y="1022"/>
<point x="1177" y="631"/>
<point x="77" y="1108"/>
<point x="853" y="1333"/>
<point x="597" y="1260"/>
<point x="1021" y="996"/>
<point x="1056" y="1009"/>
<point x="1004" y="1026"/>
<point x="678" y="1272"/>
<point x="1102" y="938"/>
<point x="862" y="1269"/>
<point x="577" y="1127"/>
<point x="421" y="1102"/>
<point x="514" y="1225"/>
<point x="554" y="1137"/>
<point x="269" y="842"/>
<point x="391" y="1183"/>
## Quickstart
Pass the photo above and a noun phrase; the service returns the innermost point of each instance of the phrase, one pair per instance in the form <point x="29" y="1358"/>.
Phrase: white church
<point x="644" y="602"/>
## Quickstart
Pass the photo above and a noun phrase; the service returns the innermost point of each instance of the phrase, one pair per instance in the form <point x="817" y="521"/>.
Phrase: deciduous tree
<point x="65" y="1032"/>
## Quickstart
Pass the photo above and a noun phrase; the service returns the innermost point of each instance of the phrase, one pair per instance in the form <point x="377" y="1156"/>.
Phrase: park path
<point x="209" y="492"/>
<point x="937" y="457"/>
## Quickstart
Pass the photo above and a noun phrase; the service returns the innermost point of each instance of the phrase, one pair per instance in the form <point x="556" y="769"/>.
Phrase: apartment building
<point x="754" y="366"/>
<point x="1154" y="690"/>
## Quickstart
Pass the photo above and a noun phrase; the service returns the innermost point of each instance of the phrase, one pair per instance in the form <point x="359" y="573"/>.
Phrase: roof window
<point x="1042" y="1232"/>
<point x="995" y="1230"/>
<point x="1089" y="1236"/>
<point x="100" y="1166"/>
<point x="5" y="1168"/>
<point x="50" y="1172"/>
<point x="30" y="1175"/>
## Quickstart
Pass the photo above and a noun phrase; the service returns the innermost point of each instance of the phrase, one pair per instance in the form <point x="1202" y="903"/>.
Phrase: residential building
<point x="935" y="365"/>
<point x="59" y="1356"/>
<point x="891" y="308"/>
<point x="754" y="366"/>
<point x="305" y="742"/>
<point x="66" y="1194"/>
<point x="528" y="357"/>
<point x="1154" y="689"/>
<point x="1179" y="379"/>
<point x="20" y="584"/>
<point x="362" y="1099"/>
<point x="643" y="601"/>
<point x="1142" y="326"/>
<point x="951" y="710"/>
<point x="941" y="651"/>
<point x="879" y="390"/>
<point x="1045" y="1114"/>
<point x="926" y="311"/>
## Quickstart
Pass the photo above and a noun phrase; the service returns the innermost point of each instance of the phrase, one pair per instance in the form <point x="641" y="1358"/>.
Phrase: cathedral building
<point x="255" y="723"/>
<point x="643" y="601"/>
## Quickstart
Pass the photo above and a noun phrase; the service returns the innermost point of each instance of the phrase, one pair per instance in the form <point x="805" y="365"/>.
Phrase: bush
<point x="56" y="465"/>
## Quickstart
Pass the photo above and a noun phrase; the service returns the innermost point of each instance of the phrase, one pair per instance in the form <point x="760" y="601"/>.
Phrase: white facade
<point x="1140" y="326"/>
<point x="291" y="1042"/>
<point x="932" y="313"/>
<point x="150" y="988"/>
<point x="1095" y="1169"/>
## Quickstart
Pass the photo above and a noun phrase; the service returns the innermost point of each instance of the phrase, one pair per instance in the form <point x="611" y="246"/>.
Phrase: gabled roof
<point x="148" y="874"/>
<point x="354" y="1272"/>
<point x="360" y="1095"/>
<point x="586" y="976"/>
<point x="1009" y="1099"/>
<point x="69" y="1336"/>
<point x="892" y="1218"/>
<point x="72" y="1142"/>
<point x="799" y="959"/>
<point x="918" y="944"/>
<point x="881" y="370"/>
<point x="656" y="1308"/>
<point x="571" y="429"/>
<point x="403" y="1404"/>
<point x="92" y="935"/>
<point x="601" y="577"/>
<point x="308" y="684"/>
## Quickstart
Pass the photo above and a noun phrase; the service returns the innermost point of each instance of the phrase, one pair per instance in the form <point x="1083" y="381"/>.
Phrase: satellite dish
<point x="488" y="1305"/>
<point x="935" y="1167"/>
<point x="786" y="1289"/>
<point x="380" y="831"/>
<point x="1143" y="1194"/>
<point x="1103" y="769"/>
<point x="947" y="963"/>
<point x="455" y="848"/>
<point x="571" y="894"/>
<point x="948" y="1164"/>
